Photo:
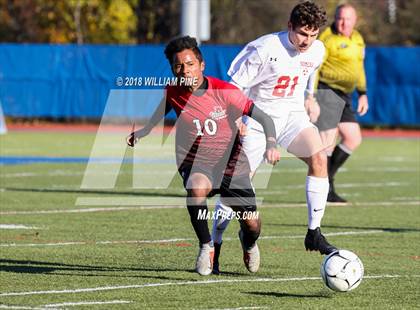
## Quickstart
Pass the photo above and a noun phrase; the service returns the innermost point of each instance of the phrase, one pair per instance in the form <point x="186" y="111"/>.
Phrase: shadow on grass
<point x="280" y="294"/>
<point x="59" y="269"/>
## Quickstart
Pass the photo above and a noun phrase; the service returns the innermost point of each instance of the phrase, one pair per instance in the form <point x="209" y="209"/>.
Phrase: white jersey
<point x="274" y="74"/>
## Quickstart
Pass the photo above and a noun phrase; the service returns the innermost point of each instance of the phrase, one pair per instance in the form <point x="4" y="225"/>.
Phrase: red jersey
<point x="205" y="129"/>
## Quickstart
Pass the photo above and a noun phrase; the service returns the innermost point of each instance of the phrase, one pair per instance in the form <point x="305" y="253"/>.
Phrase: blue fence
<point x="75" y="81"/>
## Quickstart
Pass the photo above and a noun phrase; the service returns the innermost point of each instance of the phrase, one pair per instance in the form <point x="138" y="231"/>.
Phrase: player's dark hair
<point x="308" y="14"/>
<point x="179" y="44"/>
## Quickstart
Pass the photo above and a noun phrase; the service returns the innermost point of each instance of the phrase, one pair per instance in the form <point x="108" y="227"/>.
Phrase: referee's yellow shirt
<point x="343" y="67"/>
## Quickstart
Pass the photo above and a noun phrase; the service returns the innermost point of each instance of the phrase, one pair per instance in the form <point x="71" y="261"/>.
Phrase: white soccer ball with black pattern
<point x="342" y="271"/>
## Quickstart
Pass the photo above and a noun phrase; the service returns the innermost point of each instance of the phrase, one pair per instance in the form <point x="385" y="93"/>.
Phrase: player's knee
<point x="356" y="141"/>
<point x="197" y="195"/>
<point x="253" y="226"/>
<point x="318" y="163"/>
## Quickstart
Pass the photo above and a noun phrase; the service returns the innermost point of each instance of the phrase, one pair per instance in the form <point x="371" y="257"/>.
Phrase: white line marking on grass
<point x="139" y="286"/>
<point x="240" y="308"/>
<point x="87" y="303"/>
<point x="17" y="226"/>
<point x="394" y="159"/>
<point x="140" y="208"/>
<point x="87" y="210"/>
<point x="362" y="185"/>
<point x="405" y="198"/>
<point x="20" y="307"/>
<point x="43" y="244"/>
<point x="343" y="233"/>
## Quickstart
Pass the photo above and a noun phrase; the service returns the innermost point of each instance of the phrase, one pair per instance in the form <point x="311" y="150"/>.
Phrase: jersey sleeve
<point x="361" y="81"/>
<point x="246" y="67"/>
<point x="238" y="101"/>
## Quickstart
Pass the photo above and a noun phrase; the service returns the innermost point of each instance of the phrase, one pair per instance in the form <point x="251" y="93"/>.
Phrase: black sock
<point x="337" y="159"/>
<point x="249" y="237"/>
<point x="200" y="225"/>
<point x="217" y="249"/>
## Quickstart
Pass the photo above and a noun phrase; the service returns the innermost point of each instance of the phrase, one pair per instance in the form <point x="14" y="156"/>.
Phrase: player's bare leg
<point x="309" y="148"/>
<point x="198" y="187"/>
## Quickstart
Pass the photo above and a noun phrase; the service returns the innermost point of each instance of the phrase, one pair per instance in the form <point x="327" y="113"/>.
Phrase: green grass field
<point x="119" y="253"/>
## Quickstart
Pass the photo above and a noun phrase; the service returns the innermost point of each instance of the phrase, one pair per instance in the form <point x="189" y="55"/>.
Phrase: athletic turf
<point x="132" y="255"/>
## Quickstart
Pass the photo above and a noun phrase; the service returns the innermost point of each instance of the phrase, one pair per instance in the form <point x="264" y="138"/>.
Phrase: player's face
<point x="345" y="21"/>
<point x="302" y="37"/>
<point x="187" y="65"/>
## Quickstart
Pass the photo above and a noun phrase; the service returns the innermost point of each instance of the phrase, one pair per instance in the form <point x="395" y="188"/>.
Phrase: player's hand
<point x="272" y="156"/>
<point x="363" y="105"/>
<point x="243" y="130"/>
<point x="134" y="137"/>
<point x="312" y="108"/>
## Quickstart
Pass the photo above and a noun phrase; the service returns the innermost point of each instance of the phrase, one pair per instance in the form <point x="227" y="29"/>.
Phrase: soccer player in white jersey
<point x="278" y="72"/>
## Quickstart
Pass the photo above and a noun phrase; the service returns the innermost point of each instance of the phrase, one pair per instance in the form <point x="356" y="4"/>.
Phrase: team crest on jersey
<point x="218" y="113"/>
<point x="307" y="64"/>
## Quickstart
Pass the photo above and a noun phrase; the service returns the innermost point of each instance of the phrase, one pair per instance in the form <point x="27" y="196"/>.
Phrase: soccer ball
<point x="342" y="271"/>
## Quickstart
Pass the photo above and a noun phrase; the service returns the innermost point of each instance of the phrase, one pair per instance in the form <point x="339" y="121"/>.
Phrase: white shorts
<point x="287" y="129"/>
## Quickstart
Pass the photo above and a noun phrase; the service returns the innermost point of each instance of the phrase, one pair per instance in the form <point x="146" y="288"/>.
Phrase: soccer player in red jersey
<point x="208" y="149"/>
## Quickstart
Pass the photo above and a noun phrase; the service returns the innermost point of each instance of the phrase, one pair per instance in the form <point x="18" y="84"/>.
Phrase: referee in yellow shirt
<point x="342" y="72"/>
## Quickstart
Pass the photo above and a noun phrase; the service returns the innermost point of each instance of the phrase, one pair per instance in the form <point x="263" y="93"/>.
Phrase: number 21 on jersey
<point x="283" y="84"/>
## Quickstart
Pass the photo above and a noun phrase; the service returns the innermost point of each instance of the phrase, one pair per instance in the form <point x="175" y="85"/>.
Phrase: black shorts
<point x="236" y="190"/>
<point x="336" y="107"/>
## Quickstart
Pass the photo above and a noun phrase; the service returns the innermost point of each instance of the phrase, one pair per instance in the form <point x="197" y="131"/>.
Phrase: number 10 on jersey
<point x="283" y="84"/>
<point x="210" y="127"/>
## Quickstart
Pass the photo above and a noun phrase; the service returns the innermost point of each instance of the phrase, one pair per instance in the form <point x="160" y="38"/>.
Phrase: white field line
<point x="87" y="303"/>
<point x="21" y="307"/>
<point x="185" y="283"/>
<point x="239" y="308"/>
<point x="88" y="210"/>
<point x="357" y="185"/>
<point x="66" y="304"/>
<point x="405" y="198"/>
<point x="17" y="226"/>
<point x="136" y="207"/>
<point x="164" y="202"/>
<point x="72" y="173"/>
<point x="343" y="233"/>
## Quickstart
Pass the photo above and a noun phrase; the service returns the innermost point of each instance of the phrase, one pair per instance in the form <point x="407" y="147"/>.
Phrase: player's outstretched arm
<point x="271" y="153"/>
<point x="159" y="113"/>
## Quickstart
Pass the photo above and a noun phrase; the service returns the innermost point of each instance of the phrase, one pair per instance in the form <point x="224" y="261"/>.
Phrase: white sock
<point x="223" y="214"/>
<point x="316" y="198"/>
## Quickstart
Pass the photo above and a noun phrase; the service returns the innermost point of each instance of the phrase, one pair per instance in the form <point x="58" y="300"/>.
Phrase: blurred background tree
<point x="382" y="22"/>
<point x="73" y="21"/>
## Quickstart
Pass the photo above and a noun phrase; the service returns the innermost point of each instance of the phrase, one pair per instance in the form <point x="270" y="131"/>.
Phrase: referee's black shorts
<point x="336" y="107"/>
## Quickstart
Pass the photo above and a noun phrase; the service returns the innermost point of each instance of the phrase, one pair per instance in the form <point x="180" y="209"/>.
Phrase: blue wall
<point x="74" y="81"/>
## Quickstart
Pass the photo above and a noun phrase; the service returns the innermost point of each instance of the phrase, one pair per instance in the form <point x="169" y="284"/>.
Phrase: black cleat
<point x="315" y="241"/>
<point x="217" y="248"/>
<point x="333" y="197"/>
